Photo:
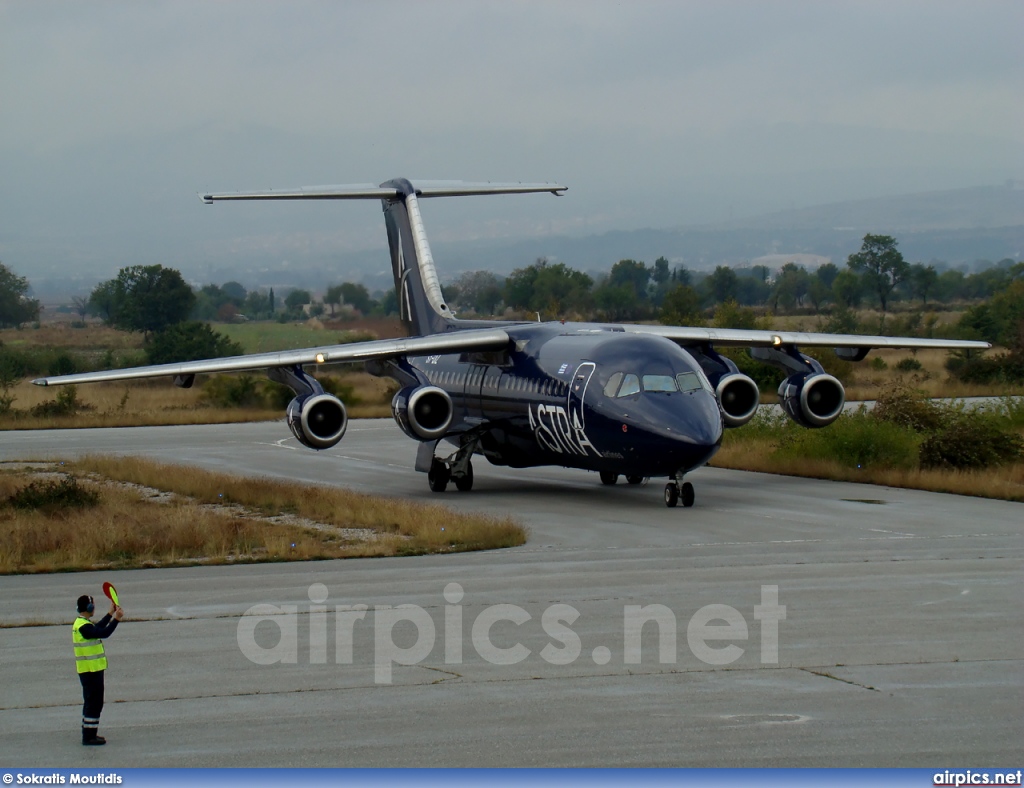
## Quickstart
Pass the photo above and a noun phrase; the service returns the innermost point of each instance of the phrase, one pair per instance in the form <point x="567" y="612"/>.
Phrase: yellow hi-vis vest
<point x="88" y="653"/>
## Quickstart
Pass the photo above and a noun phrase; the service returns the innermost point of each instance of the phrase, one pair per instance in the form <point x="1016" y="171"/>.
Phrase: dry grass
<point x="159" y="402"/>
<point x="749" y="454"/>
<point x="131" y="529"/>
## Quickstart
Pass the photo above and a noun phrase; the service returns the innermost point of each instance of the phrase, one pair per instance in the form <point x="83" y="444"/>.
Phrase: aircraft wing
<point x="454" y="342"/>
<point x="738" y="337"/>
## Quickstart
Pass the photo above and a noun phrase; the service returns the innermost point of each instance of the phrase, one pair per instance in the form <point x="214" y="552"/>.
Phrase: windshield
<point x="622" y="384"/>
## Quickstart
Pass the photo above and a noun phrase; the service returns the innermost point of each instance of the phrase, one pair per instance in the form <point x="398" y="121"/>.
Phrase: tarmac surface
<point x="901" y="642"/>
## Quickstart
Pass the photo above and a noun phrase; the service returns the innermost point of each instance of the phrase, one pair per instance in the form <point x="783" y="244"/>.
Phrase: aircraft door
<point x="575" y="405"/>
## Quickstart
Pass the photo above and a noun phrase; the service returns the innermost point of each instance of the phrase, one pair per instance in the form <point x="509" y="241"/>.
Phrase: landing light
<point x="776" y="340"/>
<point x="320" y="358"/>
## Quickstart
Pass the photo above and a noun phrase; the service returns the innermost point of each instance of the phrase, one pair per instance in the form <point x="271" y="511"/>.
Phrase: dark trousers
<point x="92" y="694"/>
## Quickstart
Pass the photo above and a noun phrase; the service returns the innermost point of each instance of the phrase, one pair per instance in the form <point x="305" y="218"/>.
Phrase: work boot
<point x="89" y="737"/>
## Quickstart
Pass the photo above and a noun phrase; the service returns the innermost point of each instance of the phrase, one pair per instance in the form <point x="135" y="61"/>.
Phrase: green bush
<point x="856" y="440"/>
<point x="66" y="404"/>
<point x="1004" y="368"/>
<point x="53" y="494"/>
<point x="191" y="341"/>
<point x="231" y="391"/>
<point x="905" y="406"/>
<point x="878" y="363"/>
<point x="972" y="440"/>
<point x="908" y="365"/>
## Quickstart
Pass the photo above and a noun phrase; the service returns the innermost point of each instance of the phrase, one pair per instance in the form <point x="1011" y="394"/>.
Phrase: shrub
<point x="66" y="404"/>
<point x="230" y="391"/>
<point x="62" y="364"/>
<point x="190" y="341"/>
<point x="878" y="363"/>
<point x="1004" y="368"/>
<point x="856" y="440"/>
<point x="971" y="441"/>
<point x="910" y="364"/>
<point x="53" y="494"/>
<point x="905" y="406"/>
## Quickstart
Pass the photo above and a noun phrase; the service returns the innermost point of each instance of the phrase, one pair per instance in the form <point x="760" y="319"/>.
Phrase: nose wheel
<point x="677" y="491"/>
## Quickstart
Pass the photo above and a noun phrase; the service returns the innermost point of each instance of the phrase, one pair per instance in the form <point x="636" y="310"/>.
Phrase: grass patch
<point x="128" y="528"/>
<point x="906" y="441"/>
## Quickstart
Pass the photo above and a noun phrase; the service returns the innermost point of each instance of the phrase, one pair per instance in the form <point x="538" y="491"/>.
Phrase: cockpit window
<point x="688" y="381"/>
<point x="659" y="383"/>
<point x="630" y="386"/>
<point x="621" y="384"/>
<point x="613" y="384"/>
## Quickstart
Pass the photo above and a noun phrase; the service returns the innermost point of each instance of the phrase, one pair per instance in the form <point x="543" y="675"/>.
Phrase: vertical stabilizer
<point x="421" y="303"/>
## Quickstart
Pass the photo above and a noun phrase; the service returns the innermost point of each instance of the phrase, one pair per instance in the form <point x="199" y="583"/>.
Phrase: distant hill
<point x="956" y="209"/>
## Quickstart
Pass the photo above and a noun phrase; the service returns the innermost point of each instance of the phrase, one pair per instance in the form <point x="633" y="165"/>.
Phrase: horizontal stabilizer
<point x="363" y="191"/>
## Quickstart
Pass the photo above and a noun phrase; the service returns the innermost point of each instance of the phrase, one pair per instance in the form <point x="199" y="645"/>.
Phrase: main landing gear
<point x="457" y="468"/>
<point x="677" y="491"/>
<point x="608" y="478"/>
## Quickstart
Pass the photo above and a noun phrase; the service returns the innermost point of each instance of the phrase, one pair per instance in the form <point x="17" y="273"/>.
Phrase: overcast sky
<point x="114" y="115"/>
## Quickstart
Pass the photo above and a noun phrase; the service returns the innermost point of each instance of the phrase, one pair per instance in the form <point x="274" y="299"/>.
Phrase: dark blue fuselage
<point x="581" y="396"/>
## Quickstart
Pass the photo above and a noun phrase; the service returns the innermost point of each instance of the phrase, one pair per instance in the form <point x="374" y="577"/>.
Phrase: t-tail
<point x="421" y="303"/>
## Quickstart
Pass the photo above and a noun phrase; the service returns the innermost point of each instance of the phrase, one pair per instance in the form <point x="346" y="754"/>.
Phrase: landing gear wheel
<point x="464" y="483"/>
<point x="634" y="479"/>
<point x="671" y="495"/>
<point x="438" y="476"/>
<point x="687" y="494"/>
<point x="607" y="477"/>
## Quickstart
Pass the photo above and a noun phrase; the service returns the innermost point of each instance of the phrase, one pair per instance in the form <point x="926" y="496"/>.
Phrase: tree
<point x="681" y="307"/>
<point x="847" y="289"/>
<point x="357" y="297"/>
<point x="477" y="290"/>
<point x="333" y="297"/>
<point x="15" y="305"/>
<point x="791" y="285"/>
<point x="145" y="298"/>
<point x="723" y="284"/>
<point x="881" y="264"/>
<point x="189" y="341"/>
<point x="297" y="299"/>
<point x="827" y="274"/>
<point x="550" y="288"/>
<point x="922" y="280"/>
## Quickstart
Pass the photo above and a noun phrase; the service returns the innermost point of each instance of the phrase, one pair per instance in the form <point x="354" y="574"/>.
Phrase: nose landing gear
<point x="677" y="491"/>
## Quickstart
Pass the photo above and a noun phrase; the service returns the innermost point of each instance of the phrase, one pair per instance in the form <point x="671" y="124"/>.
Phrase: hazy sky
<point x="113" y="115"/>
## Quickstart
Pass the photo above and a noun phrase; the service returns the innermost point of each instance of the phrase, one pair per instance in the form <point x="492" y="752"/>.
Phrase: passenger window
<point x="613" y="384"/>
<point x="630" y="386"/>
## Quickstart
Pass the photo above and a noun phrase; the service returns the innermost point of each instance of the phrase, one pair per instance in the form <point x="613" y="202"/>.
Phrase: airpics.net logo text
<point x="713" y="633"/>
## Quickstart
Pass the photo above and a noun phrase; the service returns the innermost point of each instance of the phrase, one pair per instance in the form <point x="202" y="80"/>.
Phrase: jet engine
<point x="812" y="400"/>
<point x="738" y="396"/>
<point x="317" y="420"/>
<point x="423" y="412"/>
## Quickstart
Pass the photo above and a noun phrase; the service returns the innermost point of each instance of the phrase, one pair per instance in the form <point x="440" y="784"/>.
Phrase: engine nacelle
<point x="423" y="412"/>
<point x="317" y="420"/>
<point x="812" y="400"/>
<point x="738" y="397"/>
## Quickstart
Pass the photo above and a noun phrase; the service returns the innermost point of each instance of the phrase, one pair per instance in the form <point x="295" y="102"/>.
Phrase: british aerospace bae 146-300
<point x="623" y="400"/>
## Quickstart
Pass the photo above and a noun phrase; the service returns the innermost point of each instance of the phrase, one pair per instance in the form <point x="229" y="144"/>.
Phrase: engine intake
<point x="423" y="412"/>
<point x="738" y="397"/>
<point x="814" y="400"/>
<point x="318" y="421"/>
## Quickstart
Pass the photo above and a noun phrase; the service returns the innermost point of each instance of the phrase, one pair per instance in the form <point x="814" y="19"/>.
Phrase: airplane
<point x="638" y="401"/>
